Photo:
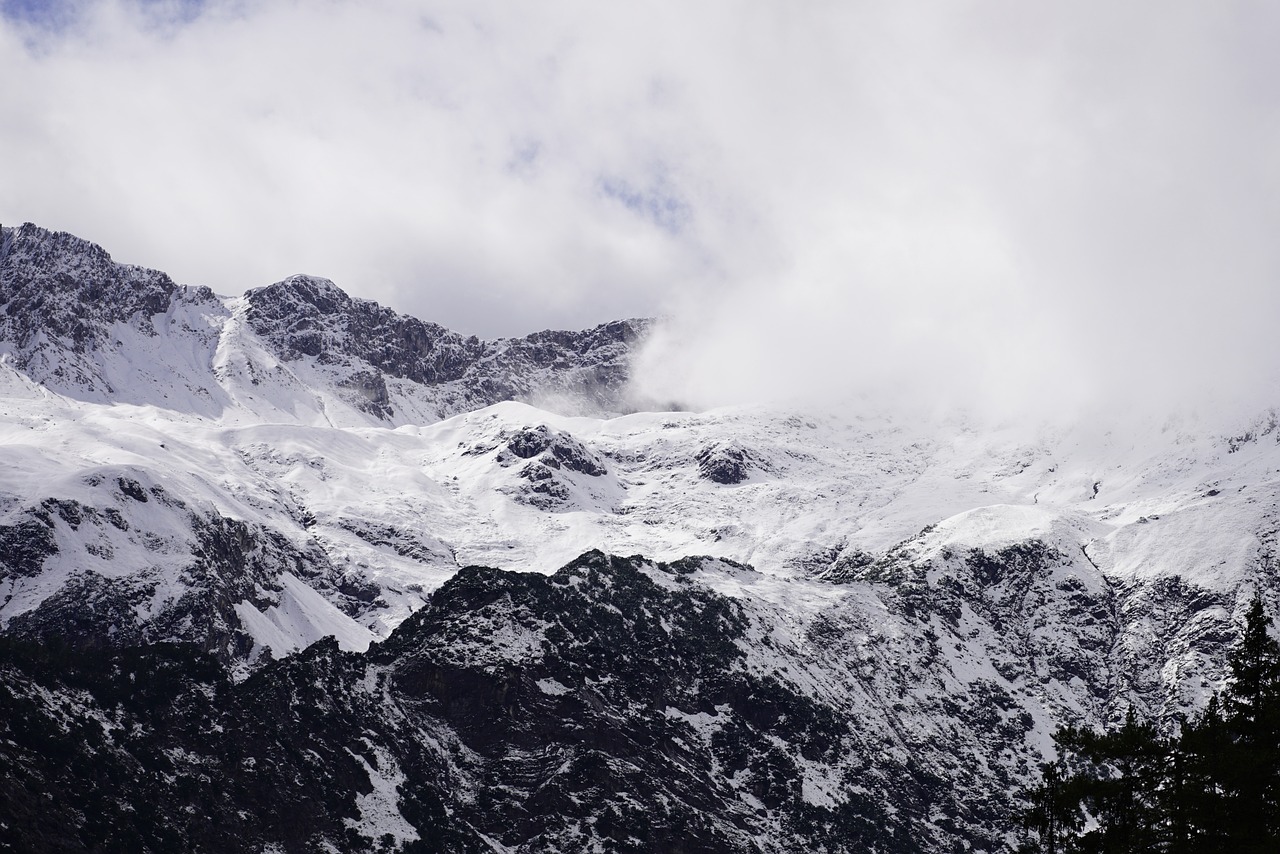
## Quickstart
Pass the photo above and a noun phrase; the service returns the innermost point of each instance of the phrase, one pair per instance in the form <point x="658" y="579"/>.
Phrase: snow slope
<point x="821" y="499"/>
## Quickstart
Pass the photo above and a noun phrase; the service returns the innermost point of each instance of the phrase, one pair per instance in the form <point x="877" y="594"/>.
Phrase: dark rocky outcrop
<point x="611" y="704"/>
<point x="725" y="464"/>
<point x="70" y="289"/>
<point x="200" y="566"/>
<point x="62" y="300"/>
<point x="64" y="303"/>
<point x="310" y="317"/>
<point x="554" y="457"/>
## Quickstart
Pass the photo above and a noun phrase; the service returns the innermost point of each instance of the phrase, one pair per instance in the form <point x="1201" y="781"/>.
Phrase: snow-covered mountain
<point x="299" y="351"/>
<point x="840" y="632"/>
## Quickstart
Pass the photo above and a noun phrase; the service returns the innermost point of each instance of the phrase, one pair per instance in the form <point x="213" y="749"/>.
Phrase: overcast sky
<point x="994" y="201"/>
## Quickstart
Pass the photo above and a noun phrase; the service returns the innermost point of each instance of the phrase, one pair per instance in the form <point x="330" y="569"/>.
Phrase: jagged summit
<point x="315" y="290"/>
<point x="69" y="285"/>
<point x="74" y="321"/>
<point x="306" y="316"/>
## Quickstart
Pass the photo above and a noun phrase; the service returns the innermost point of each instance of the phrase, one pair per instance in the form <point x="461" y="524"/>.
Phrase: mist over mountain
<point x="1058" y="211"/>
<point x="292" y="571"/>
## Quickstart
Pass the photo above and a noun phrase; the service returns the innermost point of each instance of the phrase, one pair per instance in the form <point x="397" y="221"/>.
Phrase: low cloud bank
<point x="1010" y="207"/>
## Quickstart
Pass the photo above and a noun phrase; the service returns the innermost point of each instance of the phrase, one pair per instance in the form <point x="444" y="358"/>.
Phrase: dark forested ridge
<point x="1212" y="787"/>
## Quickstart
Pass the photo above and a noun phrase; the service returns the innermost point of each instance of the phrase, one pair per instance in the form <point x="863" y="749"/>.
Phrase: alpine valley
<point x="291" y="572"/>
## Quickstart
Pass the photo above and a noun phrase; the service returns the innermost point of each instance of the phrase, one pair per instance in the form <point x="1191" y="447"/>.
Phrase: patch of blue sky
<point x="657" y="202"/>
<point x="59" y="15"/>
<point x="46" y="14"/>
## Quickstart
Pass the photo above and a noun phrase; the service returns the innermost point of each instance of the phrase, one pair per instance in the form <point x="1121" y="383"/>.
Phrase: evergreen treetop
<point x="1214" y="787"/>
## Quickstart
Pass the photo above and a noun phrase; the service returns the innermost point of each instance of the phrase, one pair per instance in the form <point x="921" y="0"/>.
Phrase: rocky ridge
<point x="373" y="351"/>
<point x="75" y="322"/>
<point x="502" y="716"/>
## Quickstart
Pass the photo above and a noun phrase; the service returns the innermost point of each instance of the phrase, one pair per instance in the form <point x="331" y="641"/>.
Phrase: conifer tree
<point x="1252" y="713"/>
<point x="1213" y="789"/>
<point x="1055" y="813"/>
<point x="1203" y="750"/>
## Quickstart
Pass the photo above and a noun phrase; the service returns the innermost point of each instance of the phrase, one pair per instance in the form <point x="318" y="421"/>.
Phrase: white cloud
<point x="991" y="201"/>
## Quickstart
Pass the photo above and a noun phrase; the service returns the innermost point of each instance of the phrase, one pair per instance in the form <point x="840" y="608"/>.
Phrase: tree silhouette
<point x="1215" y="787"/>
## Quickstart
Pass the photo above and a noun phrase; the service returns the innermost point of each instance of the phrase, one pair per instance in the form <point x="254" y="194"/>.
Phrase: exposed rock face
<point x="64" y="303"/>
<point x="26" y="544"/>
<point x="71" y="291"/>
<point x="558" y="465"/>
<point x="140" y="565"/>
<point x="616" y="703"/>
<point x="308" y="317"/>
<point x="81" y="324"/>
<point x="725" y="464"/>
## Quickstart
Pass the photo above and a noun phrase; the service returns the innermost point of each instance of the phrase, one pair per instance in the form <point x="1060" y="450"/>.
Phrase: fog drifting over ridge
<point x="1011" y="207"/>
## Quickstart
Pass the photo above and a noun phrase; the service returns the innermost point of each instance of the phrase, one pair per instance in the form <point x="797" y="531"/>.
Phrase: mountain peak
<point x="78" y="323"/>
<point x="64" y="303"/>
<point x="31" y="239"/>
<point x="303" y="290"/>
